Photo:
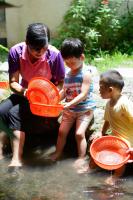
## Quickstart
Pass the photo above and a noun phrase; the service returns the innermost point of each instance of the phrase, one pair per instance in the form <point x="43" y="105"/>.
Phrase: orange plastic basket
<point x="109" y="152"/>
<point x="41" y="90"/>
<point x="4" y="84"/>
<point x="46" y="110"/>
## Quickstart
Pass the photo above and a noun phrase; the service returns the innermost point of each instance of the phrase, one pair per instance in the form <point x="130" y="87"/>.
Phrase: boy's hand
<point x="130" y="151"/>
<point x="66" y="105"/>
<point x="95" y="136"/>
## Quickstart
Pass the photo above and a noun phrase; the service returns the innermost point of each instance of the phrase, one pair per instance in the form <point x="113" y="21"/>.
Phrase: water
<point x="42" y="179"/>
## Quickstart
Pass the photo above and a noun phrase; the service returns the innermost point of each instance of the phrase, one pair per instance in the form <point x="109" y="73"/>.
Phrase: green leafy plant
<point x="108" y="25"/>
<point x="99" y="25"/>
<point x="3" y="53"/>
<point x="74" y="21"/>
<point x="96" y="25"/>
<point x="126" y="34"/>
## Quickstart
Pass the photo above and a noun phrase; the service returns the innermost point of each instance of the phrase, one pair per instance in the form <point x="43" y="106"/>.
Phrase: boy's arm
<point x="14" y="70"/>
<point x="84" y="91"/>
<point x="105" y="127"/>
<point x="62" y="94"/>
<point x="96" y="135"/>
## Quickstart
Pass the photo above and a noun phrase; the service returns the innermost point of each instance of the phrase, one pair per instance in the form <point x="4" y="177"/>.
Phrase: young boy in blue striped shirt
<point x="79" y="104"/>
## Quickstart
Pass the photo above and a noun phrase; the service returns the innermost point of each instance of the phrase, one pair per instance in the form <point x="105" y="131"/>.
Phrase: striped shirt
<point x="72" y="86"/>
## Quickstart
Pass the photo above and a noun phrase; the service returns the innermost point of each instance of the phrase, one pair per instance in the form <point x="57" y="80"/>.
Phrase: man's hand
<point x="25" y="93"/>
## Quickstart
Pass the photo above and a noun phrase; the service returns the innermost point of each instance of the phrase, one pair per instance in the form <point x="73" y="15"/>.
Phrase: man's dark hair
<point x="72" y="47"/>
<point x="112" y="78"/>
<point x="38" y="35"/>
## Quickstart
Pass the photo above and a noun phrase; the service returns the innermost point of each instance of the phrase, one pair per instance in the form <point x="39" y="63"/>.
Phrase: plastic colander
<point x="109" y="152"/>
<point x="41" y="90"/>
<point x="46" y="110"/>
<point x="4" y="84"/>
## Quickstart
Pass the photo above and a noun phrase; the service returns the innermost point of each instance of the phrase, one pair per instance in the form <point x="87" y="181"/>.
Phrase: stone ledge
<point x="4" y="67"/>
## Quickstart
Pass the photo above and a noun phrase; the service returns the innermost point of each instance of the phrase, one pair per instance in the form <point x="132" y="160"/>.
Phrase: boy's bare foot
<point x="84" y="169"/>
<point x="55" y="156"/>
<point x="15" y="163"/>
<point x="111" y="180"/>
<point x="79" y="163"/>
<point x="81" y="166"/>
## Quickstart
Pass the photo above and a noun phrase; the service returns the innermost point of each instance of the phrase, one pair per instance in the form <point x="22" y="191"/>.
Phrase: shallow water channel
<point x="41" y="179"/>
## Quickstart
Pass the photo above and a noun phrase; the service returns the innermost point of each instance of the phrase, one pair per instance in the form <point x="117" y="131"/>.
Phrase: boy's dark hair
<point x="112" y="78"/>
<point x="72" y="47"/>
<point x="38" y="35"/>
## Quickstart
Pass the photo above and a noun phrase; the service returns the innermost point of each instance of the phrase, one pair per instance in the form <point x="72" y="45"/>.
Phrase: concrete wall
<point x="50" y="12"/>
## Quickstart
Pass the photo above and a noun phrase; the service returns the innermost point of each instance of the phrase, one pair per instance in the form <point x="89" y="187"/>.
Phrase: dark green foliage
<point x="99" y="26"/>
<point x="3" y="53"/>
<point x="126" y="34"/>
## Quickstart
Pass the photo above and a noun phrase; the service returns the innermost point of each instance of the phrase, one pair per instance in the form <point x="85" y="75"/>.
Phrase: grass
<point x="3" y="53"/>
<point x="115" y="60"/>
<point x="103" y="62"/>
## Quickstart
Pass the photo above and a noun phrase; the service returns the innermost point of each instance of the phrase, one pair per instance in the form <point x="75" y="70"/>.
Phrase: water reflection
<point x="41" y="179"/>
<point x="105" y="192"/>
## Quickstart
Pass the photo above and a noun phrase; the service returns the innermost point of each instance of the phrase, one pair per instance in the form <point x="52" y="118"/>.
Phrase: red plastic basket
<point x="4" y="84"/>
<point x="109" y="152"/>
<point x="41" y="90"/>
<point x="46" y="110"/>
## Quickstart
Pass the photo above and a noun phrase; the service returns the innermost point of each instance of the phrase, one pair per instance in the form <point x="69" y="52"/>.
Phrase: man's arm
<point x="60" y="85"/>
<point x="14" y="83"/>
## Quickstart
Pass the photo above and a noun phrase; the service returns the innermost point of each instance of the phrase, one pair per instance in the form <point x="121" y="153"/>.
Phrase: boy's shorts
<point x="81" y="118"/>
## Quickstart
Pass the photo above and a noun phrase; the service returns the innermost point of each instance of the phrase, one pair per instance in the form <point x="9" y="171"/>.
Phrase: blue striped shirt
<point x="72" y="86"/>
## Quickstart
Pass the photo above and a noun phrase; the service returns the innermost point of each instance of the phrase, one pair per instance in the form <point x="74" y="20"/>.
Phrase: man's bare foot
<point x="55" y="156"/>
<point x="15" y="163"/>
